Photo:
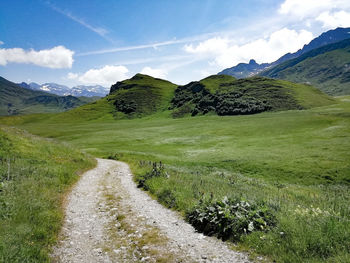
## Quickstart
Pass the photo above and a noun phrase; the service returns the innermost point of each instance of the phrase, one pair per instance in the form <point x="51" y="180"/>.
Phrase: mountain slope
<point x="225" y="95"/>
<point x="18" y="100"/>
<point x="327" y="68"/>
<point x="142" y="94"/>
<point x="243" y="70"/>
<point x="136" y="97"/>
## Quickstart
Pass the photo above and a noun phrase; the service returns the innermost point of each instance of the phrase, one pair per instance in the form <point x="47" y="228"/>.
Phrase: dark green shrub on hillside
<point x="234" y="103"/>
<point x="194" y="94"/>
<point x="230" y="218"/>
<point x="126" y="107"/>
<point x="223" y="102"/>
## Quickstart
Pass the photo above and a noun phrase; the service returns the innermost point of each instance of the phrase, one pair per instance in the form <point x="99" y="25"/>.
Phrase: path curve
<point x="108" y="219"/>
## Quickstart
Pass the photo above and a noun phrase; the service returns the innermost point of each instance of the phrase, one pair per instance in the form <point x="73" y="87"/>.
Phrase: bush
<point x="124" y="106"/>
<point x="234" y="104"/>
<point x="230" y="219"/>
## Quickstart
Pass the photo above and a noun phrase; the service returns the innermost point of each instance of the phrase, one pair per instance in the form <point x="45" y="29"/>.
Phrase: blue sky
<point x="101" y="42"/>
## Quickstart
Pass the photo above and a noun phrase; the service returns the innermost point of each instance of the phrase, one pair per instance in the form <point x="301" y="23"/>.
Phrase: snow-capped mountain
<point x="61" y="90"/>
<point x="89" y="91"/>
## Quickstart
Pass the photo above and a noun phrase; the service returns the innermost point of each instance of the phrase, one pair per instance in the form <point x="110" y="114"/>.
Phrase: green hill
<point x="141" y="95"/>
<point x="16" y="100"/>
<point x="136" y="97"/>
<point x="327" y="68"/>
<point x="226" y="95"/>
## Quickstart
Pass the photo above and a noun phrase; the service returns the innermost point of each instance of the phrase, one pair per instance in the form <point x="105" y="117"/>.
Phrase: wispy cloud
<point x="236" y="34"/>
<point x="102" y="32"/>
<point x="128" y="48"/>
<point x="146" y="60"/>
<point x="152" y="45"/>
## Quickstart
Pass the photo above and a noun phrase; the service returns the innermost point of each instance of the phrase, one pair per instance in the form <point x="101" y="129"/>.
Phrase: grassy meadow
<point x="35" y="173"/>
<point x="297" y="162"/>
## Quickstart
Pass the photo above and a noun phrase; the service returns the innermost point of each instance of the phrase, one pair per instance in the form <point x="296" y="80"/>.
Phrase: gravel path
<point x="108" y="219"/>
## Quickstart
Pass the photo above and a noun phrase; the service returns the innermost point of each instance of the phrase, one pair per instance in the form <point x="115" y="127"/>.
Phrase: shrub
<point x="230" y="218"/>
<point x="124" y="106"/>
<point x="232" y="104"/>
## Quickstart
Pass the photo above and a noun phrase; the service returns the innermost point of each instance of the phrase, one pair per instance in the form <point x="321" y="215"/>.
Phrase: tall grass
<point x="34" y="176"/>
<point x="313" y="221"/>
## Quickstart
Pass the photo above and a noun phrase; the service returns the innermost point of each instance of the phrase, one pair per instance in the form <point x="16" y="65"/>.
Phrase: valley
<point x="295" y="161"/>
<point x="175" y="131"/>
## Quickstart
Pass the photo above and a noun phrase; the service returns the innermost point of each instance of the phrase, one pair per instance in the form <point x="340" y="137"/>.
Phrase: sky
<point x="101" y="42"/>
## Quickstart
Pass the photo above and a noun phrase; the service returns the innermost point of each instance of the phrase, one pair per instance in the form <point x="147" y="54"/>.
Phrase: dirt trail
<point x="108" y="219"/>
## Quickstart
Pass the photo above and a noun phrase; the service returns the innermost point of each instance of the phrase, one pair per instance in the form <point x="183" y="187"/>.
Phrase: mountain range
<point x="243" y="70"/>
<point x="15" y="99"/>
<point x="62" y="90"/>
<point x="326" y="67"/>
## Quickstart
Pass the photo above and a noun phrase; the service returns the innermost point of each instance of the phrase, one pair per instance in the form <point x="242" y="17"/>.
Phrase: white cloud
<point x="71" y="75"/>
<point x="106" y="75"/>
<point x="335" y="19"/>
<point x="1" y="43"/>
<point x="57" y="57"/>
<point x="307" y="8"/>
<point x="224" y="53"/>
<point x="156" y="73"/>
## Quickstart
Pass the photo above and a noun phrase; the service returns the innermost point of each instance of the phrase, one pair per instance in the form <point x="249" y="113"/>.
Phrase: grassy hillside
<point x="225" y="95"/>
<point x="16" y="100"/>
<point x="327" y="68"/>
<point x="296" y="162"/>
<point x="136" y="97"/>
<point x="35" y="173"/>
<point x="141" y="95"/>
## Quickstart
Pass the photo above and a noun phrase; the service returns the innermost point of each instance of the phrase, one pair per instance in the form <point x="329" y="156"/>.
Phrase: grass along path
<point x="35" y="174"/>
<point x="108" y="219"/>
<point x="296" y="161"/>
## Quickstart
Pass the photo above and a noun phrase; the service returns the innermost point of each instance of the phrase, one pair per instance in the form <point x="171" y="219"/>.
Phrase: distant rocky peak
<point x="252" y="62"/>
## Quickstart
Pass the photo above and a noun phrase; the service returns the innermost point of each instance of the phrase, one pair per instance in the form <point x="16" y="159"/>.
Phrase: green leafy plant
<point x="230" y="218"/>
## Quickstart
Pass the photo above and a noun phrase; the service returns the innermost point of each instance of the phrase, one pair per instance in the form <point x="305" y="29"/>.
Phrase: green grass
<point x="31" y="193"/>
<point x="296" y="161"/>
<point x="214" y="81"/>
